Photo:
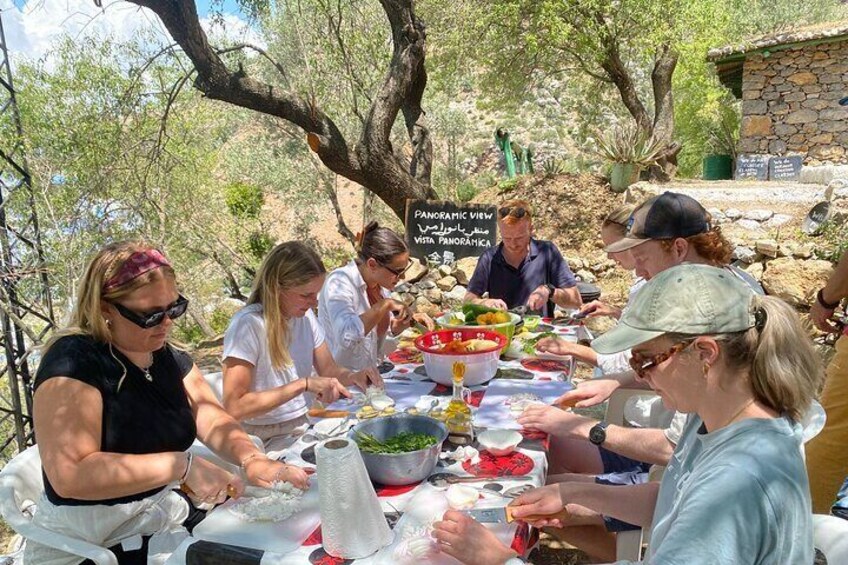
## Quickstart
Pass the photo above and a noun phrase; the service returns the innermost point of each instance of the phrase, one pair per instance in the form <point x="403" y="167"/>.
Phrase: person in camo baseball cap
<point x="687" y="299"/>
<point x="667" y="216"/>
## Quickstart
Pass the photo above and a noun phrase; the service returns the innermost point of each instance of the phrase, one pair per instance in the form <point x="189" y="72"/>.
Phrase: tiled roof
<point x="786" y="36"/>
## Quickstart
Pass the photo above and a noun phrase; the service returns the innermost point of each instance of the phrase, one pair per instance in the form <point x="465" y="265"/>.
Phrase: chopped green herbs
<point x="401" y="443"/>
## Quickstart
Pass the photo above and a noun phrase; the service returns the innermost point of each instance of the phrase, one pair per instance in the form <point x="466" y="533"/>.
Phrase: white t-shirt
<point x="342" y="301"/>
<point x="247" y="340"/>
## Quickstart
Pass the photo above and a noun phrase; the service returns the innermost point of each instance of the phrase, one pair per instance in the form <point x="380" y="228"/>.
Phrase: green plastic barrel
<point x="718" y="167"/>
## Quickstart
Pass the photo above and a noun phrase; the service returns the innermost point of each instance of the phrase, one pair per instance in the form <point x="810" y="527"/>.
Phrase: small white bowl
<point x="499" y="442"/>
<point x="461" y="497"/>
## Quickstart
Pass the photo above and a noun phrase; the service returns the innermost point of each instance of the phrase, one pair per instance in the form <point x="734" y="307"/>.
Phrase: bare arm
<point x="216" y="428"/>
<point x="241" y="402"/>
<point x="837" y="285"/>
<point x="567" y="297"/>
<point x="834" y="291"/>
<point x="633" y="504"/>
<point x="326" y="366"/>
<point x="643" y="444"/>
<point x="488" y="302"/>
<point x="67" y="414"/>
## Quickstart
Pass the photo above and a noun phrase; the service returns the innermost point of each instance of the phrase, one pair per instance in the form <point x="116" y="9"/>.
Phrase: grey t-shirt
<point x="736" y="495"/>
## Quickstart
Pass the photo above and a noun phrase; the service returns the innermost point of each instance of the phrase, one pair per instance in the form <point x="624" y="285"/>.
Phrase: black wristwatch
<point x="551" y="289"/>
<point x="598" y="433"/>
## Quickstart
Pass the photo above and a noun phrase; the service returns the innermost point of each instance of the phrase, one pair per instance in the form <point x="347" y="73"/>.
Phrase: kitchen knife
<point x="503" y="515"/>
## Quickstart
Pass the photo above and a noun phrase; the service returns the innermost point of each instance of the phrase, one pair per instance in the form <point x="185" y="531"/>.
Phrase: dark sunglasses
<point x="396" y="272"/>
<point x="644" y="364"/>
<point x="514" y="211"/>
<point x="147" y="321"/>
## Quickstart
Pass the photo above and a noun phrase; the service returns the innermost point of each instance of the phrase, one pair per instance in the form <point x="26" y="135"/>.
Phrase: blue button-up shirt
<point x="542" y="265"/>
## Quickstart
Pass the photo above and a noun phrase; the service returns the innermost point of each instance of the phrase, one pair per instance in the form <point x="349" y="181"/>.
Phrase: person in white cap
<point x="742" y="367"/>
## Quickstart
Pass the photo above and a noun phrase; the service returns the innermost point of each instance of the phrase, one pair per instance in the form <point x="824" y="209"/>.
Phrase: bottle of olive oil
<point x="458" y="413"/>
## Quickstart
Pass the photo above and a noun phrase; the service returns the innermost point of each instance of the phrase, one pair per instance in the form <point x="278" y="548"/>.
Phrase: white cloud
<point x="32" y="29"/>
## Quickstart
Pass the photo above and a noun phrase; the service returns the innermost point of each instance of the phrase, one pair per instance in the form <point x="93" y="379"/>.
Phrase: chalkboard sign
<point x="816" y="218"/>
<point x="785" y="168"/>
<point x="751" y="167"/>
<point x="443" y="232"/>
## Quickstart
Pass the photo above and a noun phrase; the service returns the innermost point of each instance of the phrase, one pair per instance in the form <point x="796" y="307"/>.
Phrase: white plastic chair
<point x="830" y="535"/>
<point x="21" y="487"/>
<point x="628" y="545"/>
<point x="216" y="381"/>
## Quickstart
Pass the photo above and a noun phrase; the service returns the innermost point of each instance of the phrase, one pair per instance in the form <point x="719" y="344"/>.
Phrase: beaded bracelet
<point x="189" y="459"/>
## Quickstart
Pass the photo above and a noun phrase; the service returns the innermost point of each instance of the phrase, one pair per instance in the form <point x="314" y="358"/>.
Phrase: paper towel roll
<point x="352" y="523"/>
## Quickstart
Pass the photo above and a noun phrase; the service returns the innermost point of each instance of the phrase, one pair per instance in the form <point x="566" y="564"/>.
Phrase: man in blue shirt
<point x="522" y="270"/>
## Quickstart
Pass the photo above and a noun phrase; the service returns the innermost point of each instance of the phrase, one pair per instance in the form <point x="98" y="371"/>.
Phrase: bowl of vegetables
<point x="400" y="449"/>
<point x="480" y="317"/>
<point x="478" y="348"/>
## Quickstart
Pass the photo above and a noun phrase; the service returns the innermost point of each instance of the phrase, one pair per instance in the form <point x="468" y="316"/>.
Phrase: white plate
<point x="328" y="425"/>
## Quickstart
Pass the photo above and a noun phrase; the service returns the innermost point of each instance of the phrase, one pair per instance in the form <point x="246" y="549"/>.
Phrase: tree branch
<point x="372" y="162"/>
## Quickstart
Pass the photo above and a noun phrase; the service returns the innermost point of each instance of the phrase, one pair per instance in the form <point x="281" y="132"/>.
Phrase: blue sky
<point x="229" y="6"/>
<point x="32" y="26"/>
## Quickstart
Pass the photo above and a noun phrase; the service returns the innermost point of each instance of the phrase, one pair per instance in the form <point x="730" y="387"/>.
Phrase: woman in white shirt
<point x="274" y="349"/>
<point x="355" y="308"/>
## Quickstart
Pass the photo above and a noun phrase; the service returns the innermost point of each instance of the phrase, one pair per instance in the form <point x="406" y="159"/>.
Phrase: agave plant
<point x="627" y="143"/>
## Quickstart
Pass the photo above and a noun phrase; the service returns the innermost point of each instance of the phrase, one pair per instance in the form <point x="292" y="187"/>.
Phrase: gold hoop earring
<point x="706" y="368"/>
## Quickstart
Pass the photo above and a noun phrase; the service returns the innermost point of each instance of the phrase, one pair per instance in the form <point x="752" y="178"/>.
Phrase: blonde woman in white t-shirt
<point x="274" y="349"/>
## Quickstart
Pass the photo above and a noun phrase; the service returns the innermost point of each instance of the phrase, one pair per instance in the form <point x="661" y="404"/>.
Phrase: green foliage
<point x="507" y="185"/>
<point x="259" y="243"/>
<point x="626" y="143"/>
<point x="465" y="191"/>
<point x="553" y="167"/>
<point x="244" y="200"/>
<point x="832" y="241"/>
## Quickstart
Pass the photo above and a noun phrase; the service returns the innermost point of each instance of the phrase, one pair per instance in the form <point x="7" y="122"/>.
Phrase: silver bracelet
<point x="189" y="459"/>
<point x="246" y="460"/>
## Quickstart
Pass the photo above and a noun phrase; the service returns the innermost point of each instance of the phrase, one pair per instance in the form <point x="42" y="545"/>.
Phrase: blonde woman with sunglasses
<point x="355" y="307"/>
<point x="116" y="408"/>
<point x="742" y="367"/>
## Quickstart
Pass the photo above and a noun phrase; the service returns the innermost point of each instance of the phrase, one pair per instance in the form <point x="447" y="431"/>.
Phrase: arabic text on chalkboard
<point x="443" y="232"/>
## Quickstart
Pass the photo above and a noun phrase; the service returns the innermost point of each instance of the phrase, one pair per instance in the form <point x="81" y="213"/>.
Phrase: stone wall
<point x="790" y="103"/>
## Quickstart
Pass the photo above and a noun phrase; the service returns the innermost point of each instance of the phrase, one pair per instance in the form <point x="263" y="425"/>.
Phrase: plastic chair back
<point x="830" y="535"/>
<point x="21" y="488"/>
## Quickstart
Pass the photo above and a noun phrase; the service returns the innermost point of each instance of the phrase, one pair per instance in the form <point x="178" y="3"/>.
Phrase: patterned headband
<point x="138" y="263"/>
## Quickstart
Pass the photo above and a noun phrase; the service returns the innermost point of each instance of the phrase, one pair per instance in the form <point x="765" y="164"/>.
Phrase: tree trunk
<point x="662" y="126"/>
<point x="665" y="62"/>
<point x="371" y="162"/>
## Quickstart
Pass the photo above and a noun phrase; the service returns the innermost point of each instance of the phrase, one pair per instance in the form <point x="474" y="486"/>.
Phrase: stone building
<point x="790" y="84"/>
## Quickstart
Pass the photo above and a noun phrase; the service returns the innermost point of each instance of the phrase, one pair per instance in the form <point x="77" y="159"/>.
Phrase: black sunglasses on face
<point x="396" y="272"/>
<point x="147" y="321"/>
<point x="514" y="211"/>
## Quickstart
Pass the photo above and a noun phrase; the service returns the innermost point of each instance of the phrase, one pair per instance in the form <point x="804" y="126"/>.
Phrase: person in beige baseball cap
<point x="742" y="367"/>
